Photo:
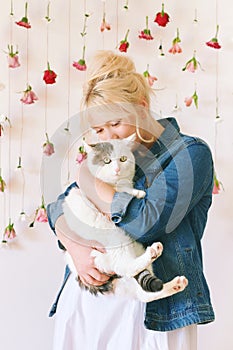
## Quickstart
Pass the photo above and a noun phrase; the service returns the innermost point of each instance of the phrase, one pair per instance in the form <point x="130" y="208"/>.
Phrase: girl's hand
<point x="80" y="251"/>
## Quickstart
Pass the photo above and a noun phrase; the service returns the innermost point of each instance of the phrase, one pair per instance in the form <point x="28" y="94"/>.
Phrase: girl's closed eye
<point x="116" y="123"/>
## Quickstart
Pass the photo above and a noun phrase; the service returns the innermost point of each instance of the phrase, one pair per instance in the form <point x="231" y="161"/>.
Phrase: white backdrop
<point x="31" y="269"/>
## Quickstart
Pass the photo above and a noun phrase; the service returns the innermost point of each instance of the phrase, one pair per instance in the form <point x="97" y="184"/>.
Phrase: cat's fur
<point x="114" y="163"/>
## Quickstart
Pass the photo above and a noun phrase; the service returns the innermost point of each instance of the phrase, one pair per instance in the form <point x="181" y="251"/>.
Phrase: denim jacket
<point x="177" y="176"/>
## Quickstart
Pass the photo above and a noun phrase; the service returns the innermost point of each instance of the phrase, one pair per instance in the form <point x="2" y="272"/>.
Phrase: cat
<point x="113" y="162"/>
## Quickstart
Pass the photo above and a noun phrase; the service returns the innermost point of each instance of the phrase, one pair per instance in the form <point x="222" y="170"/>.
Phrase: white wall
<point x="31" y="268"/>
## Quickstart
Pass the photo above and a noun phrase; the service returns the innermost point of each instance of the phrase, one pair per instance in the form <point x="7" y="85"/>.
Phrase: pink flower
<point x="82" y="154"/>
<point x="49" y="76"/>
<point x="149" y="77"/>
<point x="162" y="18"/>
<point x="9" y="233"/>
<point x="175" y="46"/>
<point x="13" y="58"/>
<point x="194" y="98"/>
<point x="29" y="96"/>
<point x="217" y="185"/>
<point x="3" y="121"/>
<point x="146" y="34"/>
<point x="214" y="41"/>
<point x="104" y="25"/>
<point x="124" y="44"/>
<point x="81" y="64"/>
<point x="48" y="147"/>
<point x="24" y="21"/>
<point x="192" y="64"/>
<point x="2" y="184"/>
<point x="40" y="214"/>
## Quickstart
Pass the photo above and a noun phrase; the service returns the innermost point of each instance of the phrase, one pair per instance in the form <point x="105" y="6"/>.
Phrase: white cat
<point x="114" y="163"/>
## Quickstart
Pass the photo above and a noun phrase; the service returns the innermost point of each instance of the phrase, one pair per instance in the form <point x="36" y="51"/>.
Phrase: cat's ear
<point x="88" y="147"/>
<point x="130" y="141"/>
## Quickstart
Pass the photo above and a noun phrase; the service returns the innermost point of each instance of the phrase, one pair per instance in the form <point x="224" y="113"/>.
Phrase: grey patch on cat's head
<point x="101" y="150"/>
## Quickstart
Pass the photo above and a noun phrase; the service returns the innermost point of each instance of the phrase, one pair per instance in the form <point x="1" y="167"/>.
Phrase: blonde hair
<point x="113" y="85"/>
<point x="112" y="78"/>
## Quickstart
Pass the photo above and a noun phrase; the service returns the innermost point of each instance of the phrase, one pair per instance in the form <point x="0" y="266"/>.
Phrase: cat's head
<point x="111" y="160"/>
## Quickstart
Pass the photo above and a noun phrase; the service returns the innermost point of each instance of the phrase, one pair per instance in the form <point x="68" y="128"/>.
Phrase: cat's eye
<point x="123" y="159"/>
<point x="107" y="160"/>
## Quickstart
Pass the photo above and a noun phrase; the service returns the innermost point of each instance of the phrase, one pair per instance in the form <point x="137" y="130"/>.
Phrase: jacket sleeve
<point x="170" y="195"/>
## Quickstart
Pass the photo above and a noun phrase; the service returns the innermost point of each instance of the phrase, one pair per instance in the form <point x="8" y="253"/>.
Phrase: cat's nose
<point x="117" y="171"/>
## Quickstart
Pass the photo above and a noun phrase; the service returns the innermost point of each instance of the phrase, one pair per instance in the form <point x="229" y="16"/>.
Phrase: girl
<point x="176" y="172"/>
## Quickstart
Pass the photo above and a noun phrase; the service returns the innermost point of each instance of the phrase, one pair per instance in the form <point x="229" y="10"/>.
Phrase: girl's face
<point x="114" y="129"/>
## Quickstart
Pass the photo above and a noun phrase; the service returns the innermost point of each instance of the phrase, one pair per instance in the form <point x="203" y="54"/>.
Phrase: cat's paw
<point x="180" y="283"/>
<point x="156" y="250"/>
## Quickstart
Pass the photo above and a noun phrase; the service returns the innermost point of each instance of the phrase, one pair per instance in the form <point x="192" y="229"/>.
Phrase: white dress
<point x="109" y="322"/>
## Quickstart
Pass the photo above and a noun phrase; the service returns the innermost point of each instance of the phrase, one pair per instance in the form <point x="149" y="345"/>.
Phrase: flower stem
<point x="217" y="29"/>
<point x="126" y="35"/>
<point x="84" y="49"/>
<point x="26" y="9"/>
<point x="146" y="22"/>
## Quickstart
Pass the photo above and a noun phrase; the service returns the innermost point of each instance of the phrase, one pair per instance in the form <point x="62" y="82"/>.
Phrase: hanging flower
<point x="149" y="77"/>
<point x="29" y="96"/>
<point x="104" y="25"/>
<point x="175" y="44"/>
<point x="214" y="41"/>
<point x="126" y="5"/>
<point x="162" y="18"/>
<point x="192" y="64"/>
<point x="40" y="214"/>
<point x="81" y="64"/>
<point x="145" y="33"/>
<point x="3" y="121"/>
<point x="124" y="44"/>
<point x="9" y="233"/>
<point x="12" y="57"/>
<point x="194" y="98"/>
<point x="2" y="183"/>
<point x="217" y="185"/>
<point x="48" y="147"/>
<point x="161" y="53"/>
<point x="24" y="21"/>
<point x="49" y="76"/>
<point x="82" y="154"/>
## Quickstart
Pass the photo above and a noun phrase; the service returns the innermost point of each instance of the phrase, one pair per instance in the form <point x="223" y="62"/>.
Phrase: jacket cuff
<point x="119" y="206"/>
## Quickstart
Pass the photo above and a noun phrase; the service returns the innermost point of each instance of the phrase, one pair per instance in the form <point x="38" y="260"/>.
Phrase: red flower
<point x="48" y="147"/>
<point x="175" y="46"/>
<point x="24" y="21"/>
<point x="124" y="44"/>
<point x="146" y="34"/>
<point x="29" y="96"/>
<point x="214" y="41"/>
<point x="162" y="18"/>
<point x="149" y="77"/>
<point x="49" y="76"/>
<point x="9" y="233"/>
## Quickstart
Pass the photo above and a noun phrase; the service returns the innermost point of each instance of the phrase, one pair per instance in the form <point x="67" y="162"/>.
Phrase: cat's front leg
<point x="81" y="207"/>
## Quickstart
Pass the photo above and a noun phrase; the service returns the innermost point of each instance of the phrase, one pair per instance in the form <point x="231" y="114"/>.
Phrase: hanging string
<point x="217" y="116"/>
<point x="117" y="23"/>
<point x="68" y="94"/>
